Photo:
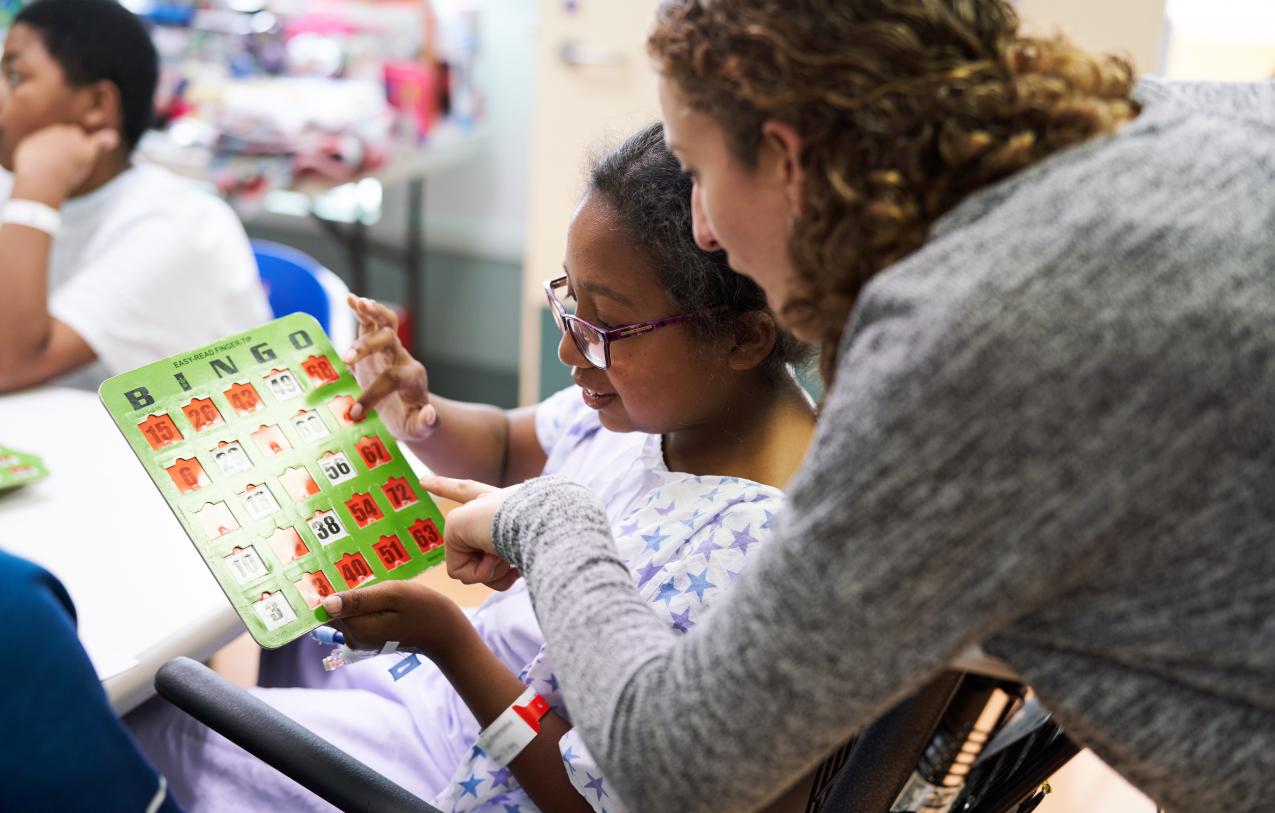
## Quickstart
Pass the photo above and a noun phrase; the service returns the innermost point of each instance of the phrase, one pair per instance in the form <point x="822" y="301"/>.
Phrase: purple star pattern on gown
<point x="742" y="540"/>
<point x="595" y="784"/>
<point x="684" y="539"/>
<point x="501" y="776"/>
<point x="682" y="621"/>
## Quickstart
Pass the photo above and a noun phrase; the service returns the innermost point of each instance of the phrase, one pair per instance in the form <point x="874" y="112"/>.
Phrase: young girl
<point x="685" y="421"/>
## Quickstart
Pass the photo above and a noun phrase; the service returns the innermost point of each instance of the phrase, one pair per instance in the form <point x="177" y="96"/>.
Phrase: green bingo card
<point x="287" y="499"/>
<point x="19" y="468"/>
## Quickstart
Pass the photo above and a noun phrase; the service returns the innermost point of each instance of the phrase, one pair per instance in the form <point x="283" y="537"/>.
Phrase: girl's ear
<point x="755" y="336"/>
<point x="102" y="107"/>
<point x="782" y="141"/>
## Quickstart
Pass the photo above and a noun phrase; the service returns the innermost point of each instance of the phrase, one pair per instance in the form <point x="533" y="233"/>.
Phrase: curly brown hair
<point x="904" y="108"/>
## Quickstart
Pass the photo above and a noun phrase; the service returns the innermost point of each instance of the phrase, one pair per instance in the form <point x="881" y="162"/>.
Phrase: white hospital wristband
<point x="514" y="729"/>
<point x="32" y="214"/>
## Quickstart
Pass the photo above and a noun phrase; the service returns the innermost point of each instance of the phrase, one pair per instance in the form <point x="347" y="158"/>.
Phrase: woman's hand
<point x="419" y="618"/>
<point x="393" y="382"/>
<point x="471" y="556"/>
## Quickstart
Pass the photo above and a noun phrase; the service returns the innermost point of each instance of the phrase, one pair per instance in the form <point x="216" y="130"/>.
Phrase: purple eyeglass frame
<point x="614" y="334"/>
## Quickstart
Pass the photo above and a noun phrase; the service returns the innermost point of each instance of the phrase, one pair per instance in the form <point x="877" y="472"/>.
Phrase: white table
<point x="142" y="593"/>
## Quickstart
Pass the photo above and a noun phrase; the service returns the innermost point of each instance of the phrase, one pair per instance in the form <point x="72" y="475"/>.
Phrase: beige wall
<point x="1221" y="39"/>
<point x="581" y="104"/>
<point x="1131" y="28"/>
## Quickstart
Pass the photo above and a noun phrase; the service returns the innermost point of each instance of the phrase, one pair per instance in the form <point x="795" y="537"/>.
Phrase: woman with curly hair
<point x="1043" y="292"/>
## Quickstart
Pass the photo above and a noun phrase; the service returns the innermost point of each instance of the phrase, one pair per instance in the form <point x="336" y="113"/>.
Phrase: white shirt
<point x="147" y="266"/>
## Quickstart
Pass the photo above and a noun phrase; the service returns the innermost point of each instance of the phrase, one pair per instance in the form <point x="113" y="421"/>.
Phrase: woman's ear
<point x="754" y="337"/>
<point x="102" y="107"/>
<point x="783" y="142"/>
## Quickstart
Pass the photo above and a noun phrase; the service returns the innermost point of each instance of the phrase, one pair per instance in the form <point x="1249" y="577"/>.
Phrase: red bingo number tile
<point x="340" y="408"/>
<point x="216" y="520"/>
<point x="372" y="451"/>
<point x="160" y="431"/>
<point x="244" y="399"/>
<point x="319" y="370"/>
<point x="425" y="534"/>
<point x="298" y="483"/>
<point x="364" y="509"/>
<point x="287" y="545"/>
<point x="391" y="552"/>
<point x="202" y="414"/>
<point x="314" y="587"/>
<point x="354" y="569"/>
<point x="399" y="492"/>
<point x="271" y="440"/>
<point x="187" y="475"/>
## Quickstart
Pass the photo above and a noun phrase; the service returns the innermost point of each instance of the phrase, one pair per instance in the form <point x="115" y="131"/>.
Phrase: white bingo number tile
<point x="283" y="384"/>
<point x="326" y="527"/>
<point x="245" y="565"/>
<point x="259" y="501"/>
<point x="231" y="458"/>
<point x="310" y="426"/>
<point x="274" y="611"/>
<point x="336" y="467"/>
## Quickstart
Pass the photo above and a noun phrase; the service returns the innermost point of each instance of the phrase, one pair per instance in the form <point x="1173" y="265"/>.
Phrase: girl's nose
<point x="569" y="354"/>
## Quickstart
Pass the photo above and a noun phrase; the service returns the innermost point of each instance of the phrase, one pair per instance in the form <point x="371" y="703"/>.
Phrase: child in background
<point x="107" y="265"/>
<point x="685" y="419"/>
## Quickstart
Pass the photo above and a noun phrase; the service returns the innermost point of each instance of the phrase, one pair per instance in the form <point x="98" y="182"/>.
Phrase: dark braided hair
<point x="645" y="187"/>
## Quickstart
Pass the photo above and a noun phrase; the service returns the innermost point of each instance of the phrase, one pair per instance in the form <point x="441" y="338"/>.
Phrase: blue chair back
<point x="292" y="282"/>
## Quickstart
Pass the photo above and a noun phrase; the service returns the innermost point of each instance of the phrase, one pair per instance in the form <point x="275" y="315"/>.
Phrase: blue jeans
<point x="63" y="747"/>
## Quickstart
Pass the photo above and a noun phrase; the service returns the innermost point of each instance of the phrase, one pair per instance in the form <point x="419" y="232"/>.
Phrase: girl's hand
<point x="471" y="556"/>
<point x="419" y="618"/>
<point x="393" y="382"/>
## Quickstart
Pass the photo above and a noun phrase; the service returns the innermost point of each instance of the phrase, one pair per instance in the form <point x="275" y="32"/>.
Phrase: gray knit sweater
<point x="1052" y="433"/>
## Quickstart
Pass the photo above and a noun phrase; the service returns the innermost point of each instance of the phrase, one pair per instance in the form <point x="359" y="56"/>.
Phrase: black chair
<point x="864" y="776"/>
<point x="280" y="742"/>
<point x="926" y="736"/>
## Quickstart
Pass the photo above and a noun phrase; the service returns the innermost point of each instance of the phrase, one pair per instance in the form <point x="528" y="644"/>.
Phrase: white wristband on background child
<point x="32" y="214"/>
<point x="514" y="729"/>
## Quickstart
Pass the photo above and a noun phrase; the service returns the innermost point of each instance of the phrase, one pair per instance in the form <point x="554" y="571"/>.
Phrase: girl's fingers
<point x="421" y="422"/>
<point x="386" y="383"/>
<point x="366" y="322"/>
<point x="370" y="343"/>
<point x="353" y="603"/>
<point x="374" y="313"/>
<point x="461" y="491"/>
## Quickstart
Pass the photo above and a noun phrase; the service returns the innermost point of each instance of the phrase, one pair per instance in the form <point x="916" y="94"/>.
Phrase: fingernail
<point x="431" y="417"/>
<point x="332" y="604"/>
<point x="349" y="356"/>
<point x="356" y="411"/>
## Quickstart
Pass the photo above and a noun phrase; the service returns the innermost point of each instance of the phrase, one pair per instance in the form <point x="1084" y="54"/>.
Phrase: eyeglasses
<point x="593" y="342"/>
